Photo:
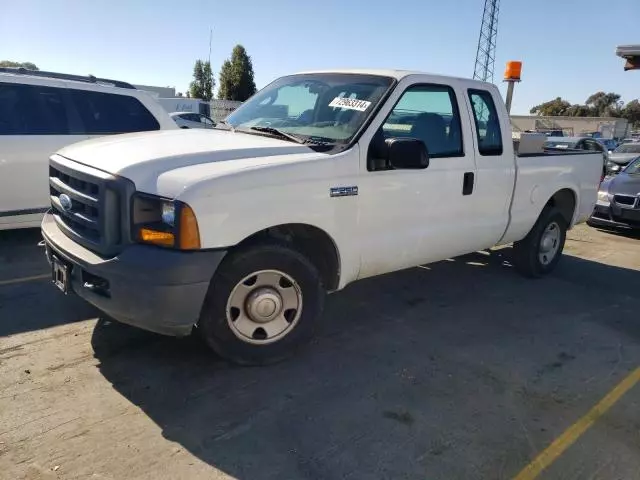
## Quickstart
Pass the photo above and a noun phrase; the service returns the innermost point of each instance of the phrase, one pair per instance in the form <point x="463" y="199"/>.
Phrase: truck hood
<point x="143" y="157"/>
<point x="622" y="158"/>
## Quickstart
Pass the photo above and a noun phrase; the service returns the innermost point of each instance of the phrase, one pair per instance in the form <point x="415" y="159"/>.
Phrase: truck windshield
<point x="628" y="148"/>
<point x="319" y="107"/>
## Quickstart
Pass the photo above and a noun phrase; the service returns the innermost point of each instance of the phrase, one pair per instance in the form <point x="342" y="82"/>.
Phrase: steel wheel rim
<point x="264" y="307"/>
<point x="549" y="243"/>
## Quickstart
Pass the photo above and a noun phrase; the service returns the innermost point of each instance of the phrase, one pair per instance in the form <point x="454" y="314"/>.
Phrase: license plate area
<point x="60" y="274"/>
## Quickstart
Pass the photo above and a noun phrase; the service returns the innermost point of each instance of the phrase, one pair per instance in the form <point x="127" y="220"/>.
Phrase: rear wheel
<point x="262" y="305"/>
<point x="539" y="252"/>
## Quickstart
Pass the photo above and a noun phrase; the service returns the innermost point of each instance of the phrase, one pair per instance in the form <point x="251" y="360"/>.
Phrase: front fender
<point x="234" y="207"/>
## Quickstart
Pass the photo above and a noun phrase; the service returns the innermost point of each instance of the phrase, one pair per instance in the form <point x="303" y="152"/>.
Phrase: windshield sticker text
<point x="350" y="104"/>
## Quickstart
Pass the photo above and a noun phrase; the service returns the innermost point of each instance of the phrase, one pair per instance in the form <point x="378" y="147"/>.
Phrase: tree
<point x="553" y="108"/>
<point x="27" y="65"/>
<point x="600" y="104"/>
<point x="631" y="112"/>
<point x="236" y="76"/>
<point x="578" y="111"/>
<point x="604" y="104"/>
<point x="203" y="83"/>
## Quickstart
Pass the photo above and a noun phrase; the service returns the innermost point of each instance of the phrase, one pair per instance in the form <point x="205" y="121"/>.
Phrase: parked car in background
<point x="608" y="143"/>
<point x="618" y="202"/>
<point x="576" y="143"/>
<point x="579" y="143"/>
<point x="192" y="120"/>
<point x="622" y="156"/>
<point x="41" y="112"/>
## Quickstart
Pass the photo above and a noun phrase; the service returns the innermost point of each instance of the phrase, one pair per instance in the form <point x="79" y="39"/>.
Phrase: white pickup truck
<point x="318" y="180"/>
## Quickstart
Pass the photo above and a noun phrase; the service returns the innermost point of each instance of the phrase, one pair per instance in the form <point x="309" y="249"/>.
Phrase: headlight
<point x="169" y="213"/>
<point x="603" y="197"/>
<point x="164" y="222"/>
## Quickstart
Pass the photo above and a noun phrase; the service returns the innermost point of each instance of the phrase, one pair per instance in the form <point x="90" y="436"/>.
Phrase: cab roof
<point x="396" y="74"/>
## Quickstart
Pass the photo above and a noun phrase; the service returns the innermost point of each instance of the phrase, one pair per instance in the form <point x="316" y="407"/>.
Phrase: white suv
<point x="41" y="112"/>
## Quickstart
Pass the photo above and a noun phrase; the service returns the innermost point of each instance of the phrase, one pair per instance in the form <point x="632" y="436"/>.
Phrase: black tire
<point x="526" y="252"/>
<point x="214" y="326"/>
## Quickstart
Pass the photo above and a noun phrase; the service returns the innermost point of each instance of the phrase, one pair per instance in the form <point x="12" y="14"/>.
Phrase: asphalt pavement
<point x="456" y="370"/>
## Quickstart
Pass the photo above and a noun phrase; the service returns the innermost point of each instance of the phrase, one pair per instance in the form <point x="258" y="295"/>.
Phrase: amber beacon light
<point x="513" y="71"/>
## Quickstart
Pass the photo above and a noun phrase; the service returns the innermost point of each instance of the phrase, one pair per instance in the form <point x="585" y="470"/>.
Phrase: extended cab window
<point x="32" y="110"/>
<point x="487" y="122"/>
<point x="428" y="113"/>
<point x="104" y="113"/>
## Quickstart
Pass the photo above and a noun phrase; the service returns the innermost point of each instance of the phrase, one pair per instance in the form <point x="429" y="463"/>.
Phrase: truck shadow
<point x="33" y="304"/>
<point x="386" y="385"/>
<point x="620" y="232"/>
<point x="20" y="255"/>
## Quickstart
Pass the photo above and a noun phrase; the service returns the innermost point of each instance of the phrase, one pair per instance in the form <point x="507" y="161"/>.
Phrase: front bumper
<point x="149" y="287"/>
<point x="606" y="216"/>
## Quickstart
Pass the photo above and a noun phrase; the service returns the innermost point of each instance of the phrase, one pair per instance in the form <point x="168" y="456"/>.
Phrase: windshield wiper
<point x="280" y="133"/>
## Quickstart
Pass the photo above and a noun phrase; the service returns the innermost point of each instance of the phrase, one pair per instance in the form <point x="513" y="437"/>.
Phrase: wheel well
<point x="312" y="242"/>
<point x="565" y="201"/>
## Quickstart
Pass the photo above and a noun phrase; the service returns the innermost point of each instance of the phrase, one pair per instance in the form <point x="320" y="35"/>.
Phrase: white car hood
<point x="143" y="157"/>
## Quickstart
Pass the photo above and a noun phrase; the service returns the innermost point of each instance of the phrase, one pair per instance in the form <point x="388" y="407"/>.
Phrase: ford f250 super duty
<point x="318" y="180"/>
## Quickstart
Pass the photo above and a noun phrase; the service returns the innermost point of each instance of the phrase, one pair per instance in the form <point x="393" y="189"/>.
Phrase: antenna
<point x="210" y="38"/>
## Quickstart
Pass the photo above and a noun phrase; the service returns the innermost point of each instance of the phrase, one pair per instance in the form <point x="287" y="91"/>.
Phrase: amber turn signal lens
<point x="189" y="233"/>
<point x="165" y="239"/>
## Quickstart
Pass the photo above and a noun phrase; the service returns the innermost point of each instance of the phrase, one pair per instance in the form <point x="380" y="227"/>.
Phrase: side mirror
<point x="407" y="153"/>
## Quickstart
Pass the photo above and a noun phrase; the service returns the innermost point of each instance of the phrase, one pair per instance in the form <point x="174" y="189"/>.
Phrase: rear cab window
<point x="487" y="122"/>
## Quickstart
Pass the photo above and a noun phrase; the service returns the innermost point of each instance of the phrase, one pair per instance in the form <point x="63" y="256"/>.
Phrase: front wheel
<point x="539" y="252"/>
<point x="262" y="304"/>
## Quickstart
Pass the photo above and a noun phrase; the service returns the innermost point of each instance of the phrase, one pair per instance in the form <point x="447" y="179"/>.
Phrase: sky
<point x="567" y="46"/>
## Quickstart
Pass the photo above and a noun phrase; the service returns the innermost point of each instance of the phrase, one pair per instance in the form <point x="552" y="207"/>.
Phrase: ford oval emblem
<point x="65" y="202"/>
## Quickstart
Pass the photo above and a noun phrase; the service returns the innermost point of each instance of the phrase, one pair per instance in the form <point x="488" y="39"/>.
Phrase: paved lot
<point x="459" y="370"/>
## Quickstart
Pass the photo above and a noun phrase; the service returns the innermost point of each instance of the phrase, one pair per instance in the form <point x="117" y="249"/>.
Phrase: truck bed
<point x="537" y="180"/>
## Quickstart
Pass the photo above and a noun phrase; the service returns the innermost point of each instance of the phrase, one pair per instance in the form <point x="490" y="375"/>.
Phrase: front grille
<point x="626" y="200"/>
<point x="95" y="213"/>
<point x="83" y="217"/>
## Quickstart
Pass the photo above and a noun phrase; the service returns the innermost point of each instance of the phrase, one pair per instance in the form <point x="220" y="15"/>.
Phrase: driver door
<point x="411" y="217"/>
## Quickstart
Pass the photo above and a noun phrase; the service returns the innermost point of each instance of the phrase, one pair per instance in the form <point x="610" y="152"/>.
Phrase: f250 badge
<point x="343" y="191"/>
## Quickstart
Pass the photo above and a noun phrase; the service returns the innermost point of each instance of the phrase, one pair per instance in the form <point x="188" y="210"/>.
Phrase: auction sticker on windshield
<point x="350" y="103"/>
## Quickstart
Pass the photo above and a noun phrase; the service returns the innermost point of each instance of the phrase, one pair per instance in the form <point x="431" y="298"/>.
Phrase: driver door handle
<point x="467" y="183"/>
